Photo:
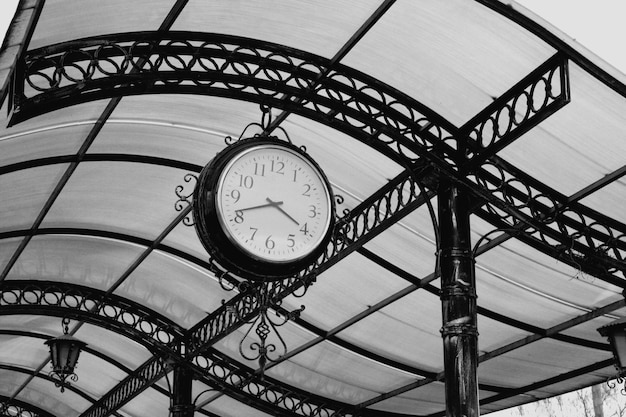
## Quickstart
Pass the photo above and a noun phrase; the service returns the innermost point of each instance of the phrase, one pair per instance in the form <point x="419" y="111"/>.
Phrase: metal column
<point x="182" y="405"/>
<point x="458" y="301"/>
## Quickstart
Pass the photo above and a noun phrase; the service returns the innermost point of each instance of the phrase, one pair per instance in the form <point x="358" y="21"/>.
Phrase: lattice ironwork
<point x="61" y="299"/>
<point x="545" y="219"/>
<point x="392" y="202"/>
<point x="213" y="367"/>
<point x="146" y="375"/>
<point x="526" y="104"/>
<point x="11" y="407"/>
<point x="268" y="390"/>
<point x="396" y="125"/>
<point x="198" y="63"/>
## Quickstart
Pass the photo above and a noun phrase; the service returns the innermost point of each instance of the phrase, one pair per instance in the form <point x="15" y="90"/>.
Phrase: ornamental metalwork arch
<point x="383" y="118"/>
<point x="397" y="126"/>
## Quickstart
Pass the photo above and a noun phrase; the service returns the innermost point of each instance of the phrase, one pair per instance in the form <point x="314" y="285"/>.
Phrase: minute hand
<point x="269" y="204"/>
<point x="277" y="205"/>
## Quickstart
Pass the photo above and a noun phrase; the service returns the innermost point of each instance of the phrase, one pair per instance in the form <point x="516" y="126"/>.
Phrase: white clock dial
<point x="273" y="203"/>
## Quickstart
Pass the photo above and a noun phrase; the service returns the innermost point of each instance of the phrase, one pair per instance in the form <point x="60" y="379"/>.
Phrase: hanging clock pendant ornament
<point x="263" y="209"/>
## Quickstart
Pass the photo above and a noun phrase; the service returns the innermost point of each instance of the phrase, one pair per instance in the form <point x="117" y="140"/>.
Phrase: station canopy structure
<point x="112" y="108"/>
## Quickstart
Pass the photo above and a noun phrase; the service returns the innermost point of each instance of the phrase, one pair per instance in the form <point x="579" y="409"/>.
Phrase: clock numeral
<point x="292" y="241"/>
<point x="254" y="230"/>
<point x="235" y="195"/>
<point x="295" y="174"/>
<point x="246" y="181"/>
<point x="306" y="192"/>
<point x="269" y="243"/>
<point x="278" y="167"/>
<point x="312" y="211"/>
<point x="305" y="229"/>
<point x="259" y="169"/>
<point x="238" y="216"/>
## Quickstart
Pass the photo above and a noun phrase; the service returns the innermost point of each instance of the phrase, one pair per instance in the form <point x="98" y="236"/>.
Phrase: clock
<point x="263" y="209"/>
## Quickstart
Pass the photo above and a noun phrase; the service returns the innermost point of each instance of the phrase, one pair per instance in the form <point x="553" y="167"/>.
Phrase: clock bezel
<point x="217" y="240"/>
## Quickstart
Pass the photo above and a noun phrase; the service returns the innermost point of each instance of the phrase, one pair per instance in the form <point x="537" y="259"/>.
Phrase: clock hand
<point x="270" y="204"/>
<point x="277" y="205"/>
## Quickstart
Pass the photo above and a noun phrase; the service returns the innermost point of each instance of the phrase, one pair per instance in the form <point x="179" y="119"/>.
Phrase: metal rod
<point x="458" y="301"/>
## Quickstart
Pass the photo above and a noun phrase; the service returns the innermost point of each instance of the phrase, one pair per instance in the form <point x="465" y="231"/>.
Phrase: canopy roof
<point x="109" y="106"/>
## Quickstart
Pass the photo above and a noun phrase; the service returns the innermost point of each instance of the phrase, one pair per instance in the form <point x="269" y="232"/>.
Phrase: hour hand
<point x="277" y="205"/>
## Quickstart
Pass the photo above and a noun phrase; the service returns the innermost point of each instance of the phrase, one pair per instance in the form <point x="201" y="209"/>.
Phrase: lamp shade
<point x="616" y="333"/>
<point x="64" y="352"/>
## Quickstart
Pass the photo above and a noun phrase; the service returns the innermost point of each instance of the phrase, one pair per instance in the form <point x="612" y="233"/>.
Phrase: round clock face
<point x="273" y="203"/>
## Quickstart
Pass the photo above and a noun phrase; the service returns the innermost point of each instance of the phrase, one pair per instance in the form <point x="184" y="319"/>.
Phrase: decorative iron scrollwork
<point x="613" y="382"/>
<point x="268" y="345"/>
<point x="264" y="129"/>
<point x="185" y="198"/>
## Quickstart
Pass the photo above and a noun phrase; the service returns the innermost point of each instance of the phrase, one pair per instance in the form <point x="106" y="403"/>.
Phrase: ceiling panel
<point x="580" y="143"/>
<point x="84" y="260"/>
<point x="343" y="375"/>
<point x="186" y="128"/>
<point x="536" y="362"/>
<point x="149" y="402"/>
<point x="345" y="290"/>
<point x="318" y="27"/>
<point x="11" y="381"/>
<point x="22" y="352"/>
<point x="113" y="17"/>
<point x="174" y="288"/>
<point x="517" y="264"/>
<point x="7" y="249"/>
<point x="47" y="396"/>
<point x="426" y="399"/>
<point x="453" y="56"/>
<point x="609" y="201"/>
<point x="118" y="197"/>
<point x="115" y="346"/>
<point x="228" y="407"/>
<point x="412" y="322"/>
<point x="25" y="194"/>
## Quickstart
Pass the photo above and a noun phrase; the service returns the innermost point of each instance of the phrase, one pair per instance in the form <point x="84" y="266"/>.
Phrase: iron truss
<point x="387" y="120"/>
<point x="394" y="201"/>
<point x="12" y="407"/>
<point x="211" y="366"/>
<point x="383" y="118"/>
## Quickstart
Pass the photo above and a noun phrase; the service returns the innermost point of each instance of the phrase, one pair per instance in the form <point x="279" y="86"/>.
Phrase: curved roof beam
<point x="12" y="407"/>
<point x="155" y="332"/>
<point x="329" y="335"/>
<point x="116" y="157"/>
<point x="395" y="125"/>
<point x="88" y="349"/>
<point x="8" y="402"/>
<point x="60" y="299"/>
<point x="559" y="44"/>
<point x="27" y="371"/>
<point x="539" y="334"/>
